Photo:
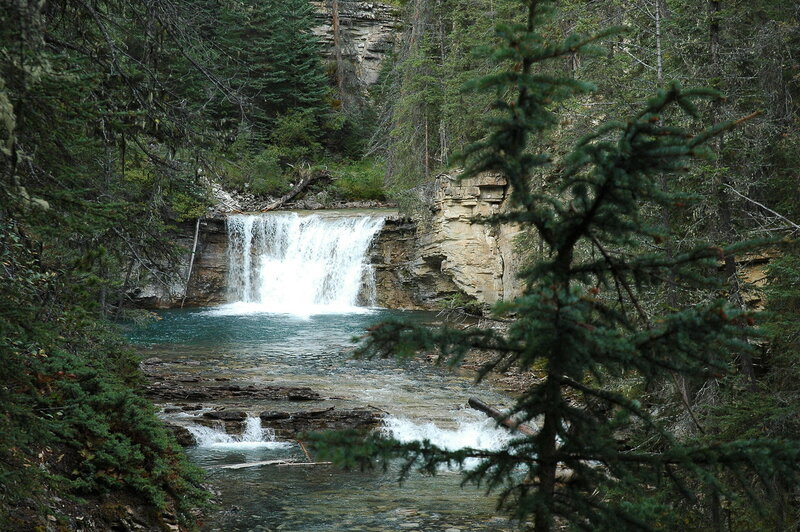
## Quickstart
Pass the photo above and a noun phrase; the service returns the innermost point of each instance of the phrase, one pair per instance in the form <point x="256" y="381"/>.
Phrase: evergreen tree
<point x="579" y="320"/>
<point x="95" y="140"/>
<point x="276" y="59"/>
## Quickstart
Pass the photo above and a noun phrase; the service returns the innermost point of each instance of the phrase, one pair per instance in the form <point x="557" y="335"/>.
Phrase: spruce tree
<point x="579" y="320"/>
<point x="277" y="59"/>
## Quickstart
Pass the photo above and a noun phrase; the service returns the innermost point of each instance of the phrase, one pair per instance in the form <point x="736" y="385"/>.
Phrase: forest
<point x="651" y="149"/>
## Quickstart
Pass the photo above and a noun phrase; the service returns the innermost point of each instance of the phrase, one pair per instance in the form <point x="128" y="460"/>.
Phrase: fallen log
<point x="501" y="418"/>
<point x="271" y="463"/>
<point x="301" y="186"/>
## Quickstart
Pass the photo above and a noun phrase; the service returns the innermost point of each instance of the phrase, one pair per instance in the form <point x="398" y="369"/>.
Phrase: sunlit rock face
<point x="368" y="31"/>
<point x="424" y="264"/>
<point x="477" y="257"/>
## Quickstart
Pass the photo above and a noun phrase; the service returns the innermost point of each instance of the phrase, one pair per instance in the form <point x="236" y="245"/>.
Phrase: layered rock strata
<point x="165" y="287"/>
<point x="367" y="32"/>
<point x="451" y="257"/>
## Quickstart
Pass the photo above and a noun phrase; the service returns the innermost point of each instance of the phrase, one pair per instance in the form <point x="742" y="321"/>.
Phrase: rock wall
<point x="207" y="285"/>
<point x="367" y="30"/>
<point x="449" y="256"/>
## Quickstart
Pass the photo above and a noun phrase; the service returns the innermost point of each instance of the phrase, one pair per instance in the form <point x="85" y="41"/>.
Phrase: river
<point x="259" y="339"/>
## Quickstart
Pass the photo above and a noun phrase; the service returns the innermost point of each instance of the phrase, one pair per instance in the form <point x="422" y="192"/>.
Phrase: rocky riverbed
<point x="188" y="399"/>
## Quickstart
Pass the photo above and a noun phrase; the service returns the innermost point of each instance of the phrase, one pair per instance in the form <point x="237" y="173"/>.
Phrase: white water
<point x="483" y="434"/>
<point x="253" y="437"/>
<point x="302" y="265"/>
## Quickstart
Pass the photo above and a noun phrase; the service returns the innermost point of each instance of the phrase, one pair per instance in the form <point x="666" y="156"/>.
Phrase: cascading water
<point x="217" y="351"/>
<point x="288" y="263"/>
<point x="471" y="432"/>
<point x="254" y="436"/>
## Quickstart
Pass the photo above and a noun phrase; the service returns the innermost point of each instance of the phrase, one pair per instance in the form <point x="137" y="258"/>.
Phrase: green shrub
<point x="71" y="422"/>
<point x="296" y="137"/>
<point x="360" y="180"/>
<point x="267" y="177"/>
<point x="117" y="434"/>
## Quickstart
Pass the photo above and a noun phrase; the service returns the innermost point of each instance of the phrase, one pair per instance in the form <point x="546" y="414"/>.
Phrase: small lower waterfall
<point x="288" y="263"/>
<point x="253" y="436"/>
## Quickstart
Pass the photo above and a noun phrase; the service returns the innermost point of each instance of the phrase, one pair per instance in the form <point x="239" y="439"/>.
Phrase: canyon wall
<point x="156" y="287"/>
<point x="449" y="258"/>
<point x="367" y="34"/>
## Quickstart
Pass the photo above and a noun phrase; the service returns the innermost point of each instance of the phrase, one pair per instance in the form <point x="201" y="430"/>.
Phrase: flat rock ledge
<point x="287" y="425"/>
<point x="290" y="424"/>
<point x="204" y="390"/>
<point x="222" y="404"/>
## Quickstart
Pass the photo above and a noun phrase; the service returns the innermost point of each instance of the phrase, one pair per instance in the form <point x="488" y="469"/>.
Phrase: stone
<point x="169" y="388"/>
<point x="418" y="264"/>
<point x="226" y="415"/>
<point x="289" y="424"/>
<point x="182" y="435"/>
<point x="207" y="285"/>
<point x="303" y="395"/>
<point x="449" y="256"/>
<point x="272" y="415"/>
<point x="367" y="33"/>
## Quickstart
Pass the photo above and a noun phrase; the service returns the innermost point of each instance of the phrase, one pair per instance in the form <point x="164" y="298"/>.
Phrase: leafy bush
<point x="267" y="177"/>
<point x="360" y="180"/>
<point x="115" y="432"/>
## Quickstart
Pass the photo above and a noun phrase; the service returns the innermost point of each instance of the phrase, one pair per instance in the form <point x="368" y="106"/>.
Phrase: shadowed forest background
<point x="121" y="119"/>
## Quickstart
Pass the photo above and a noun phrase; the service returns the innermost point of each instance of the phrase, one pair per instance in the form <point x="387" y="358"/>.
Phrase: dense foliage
<point x="747" y="52"/>
<point x="97" y="145"/>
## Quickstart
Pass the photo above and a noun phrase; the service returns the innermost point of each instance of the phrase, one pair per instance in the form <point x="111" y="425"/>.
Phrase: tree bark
<point x="191" y="261"/>
<point x="305" y="182"/>
<point x="501" y="418"/>
<point x="548" y="464"/>
<point x="427" y="152"/>
<point x="337" y="50"/>
<point x="722" y="183"/>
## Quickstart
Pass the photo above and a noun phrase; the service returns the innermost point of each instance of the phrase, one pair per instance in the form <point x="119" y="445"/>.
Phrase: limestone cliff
<point x="367" y="34"/>
<point x="424" y="264"/>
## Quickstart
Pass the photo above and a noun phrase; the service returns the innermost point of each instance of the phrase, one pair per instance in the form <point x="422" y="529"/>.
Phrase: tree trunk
<point x="548" y="465"/>
<point x="124" y="289"/>
<point x="191" y="262"/>
<point x="298" y="188"/>
<point x="427" y="151"/>
<point x="721" y="184"/>
<point x="337" y="51"/>
<point x="659" y="54"/>
<point x="500" y="417"/>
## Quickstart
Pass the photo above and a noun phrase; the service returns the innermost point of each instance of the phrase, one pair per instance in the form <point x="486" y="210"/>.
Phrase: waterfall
<point x="288" y="263"/>
<point x="254" y="436"/>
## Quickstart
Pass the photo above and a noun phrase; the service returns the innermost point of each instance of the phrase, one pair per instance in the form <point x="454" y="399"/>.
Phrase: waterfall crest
<point x="288" y="263"/>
